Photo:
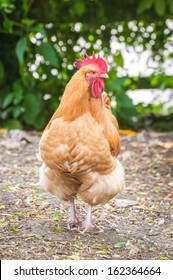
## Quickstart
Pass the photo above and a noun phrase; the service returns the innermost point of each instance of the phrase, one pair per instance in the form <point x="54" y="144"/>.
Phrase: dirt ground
<point x="137" y="224"/>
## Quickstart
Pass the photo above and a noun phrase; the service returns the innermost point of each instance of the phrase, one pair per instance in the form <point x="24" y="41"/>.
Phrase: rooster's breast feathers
<point x="78" y="145"/>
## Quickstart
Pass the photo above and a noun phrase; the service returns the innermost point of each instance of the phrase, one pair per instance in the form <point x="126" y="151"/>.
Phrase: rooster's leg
<point x="73" y="220"/>
<point x="87" y="225"/>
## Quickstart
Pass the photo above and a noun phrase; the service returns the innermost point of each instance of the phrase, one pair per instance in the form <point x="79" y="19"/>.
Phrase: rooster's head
<point x="94" y="69"/>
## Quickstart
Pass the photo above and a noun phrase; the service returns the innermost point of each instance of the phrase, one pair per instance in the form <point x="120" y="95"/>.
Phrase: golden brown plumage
<point x="80" y="144"/>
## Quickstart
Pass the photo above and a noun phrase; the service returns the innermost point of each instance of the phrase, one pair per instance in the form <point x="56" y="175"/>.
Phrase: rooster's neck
<point x="77" y="101"/>
<point x="96" y="109"/>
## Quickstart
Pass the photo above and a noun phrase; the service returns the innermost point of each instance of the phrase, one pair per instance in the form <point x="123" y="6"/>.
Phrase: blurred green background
<point x="39" y="41"/>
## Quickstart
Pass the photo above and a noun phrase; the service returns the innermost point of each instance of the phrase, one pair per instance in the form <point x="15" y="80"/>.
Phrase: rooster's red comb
<point x="97" y="61"/>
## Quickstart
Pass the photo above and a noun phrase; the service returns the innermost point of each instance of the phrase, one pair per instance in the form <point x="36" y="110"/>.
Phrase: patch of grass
<point x="119" y="244"/>
<point x="96" y="246"/>
<point x="35" y="193"/>
<point x="13" y="228"/>
<point x="15" y="215"/>
<point x="152" y="248"/>
<point x="157" y="189"/>
<point x="7" y="189"/>
<point x="58" y="228"/>
<point x="57" y="215"/>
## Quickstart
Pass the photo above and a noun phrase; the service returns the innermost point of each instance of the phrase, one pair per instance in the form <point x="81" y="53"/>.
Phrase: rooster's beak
<point x="104" y="76"/>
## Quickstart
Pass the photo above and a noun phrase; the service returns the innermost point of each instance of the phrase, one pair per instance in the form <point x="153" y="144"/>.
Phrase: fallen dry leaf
<point x="3" y="130"/>
<point x="127" y="132"/>
<point x="122" y="203"/>
<point x="166" y="145"/>
<point x="169" y="160"/>
<point x="74" y="257"/>
<point x="169" y="196"/>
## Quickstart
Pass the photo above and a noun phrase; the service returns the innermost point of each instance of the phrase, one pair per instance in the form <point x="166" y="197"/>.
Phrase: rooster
<point x="80" y="144"/>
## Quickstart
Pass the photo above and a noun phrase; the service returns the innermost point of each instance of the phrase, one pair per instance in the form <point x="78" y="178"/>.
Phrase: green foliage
<point x="40" y="41"/>
<point x="159" y="6"/>
<point x="20" y="49"/>
<point x="1" y="73"/>
<point x="48" y="52"/>
<point x="123" y="107"/>
<point x="6" y="4"/>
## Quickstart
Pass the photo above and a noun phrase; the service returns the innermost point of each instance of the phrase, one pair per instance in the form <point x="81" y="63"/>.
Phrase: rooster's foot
<point x="73" y="222"/>
<point x="88" y="227"/>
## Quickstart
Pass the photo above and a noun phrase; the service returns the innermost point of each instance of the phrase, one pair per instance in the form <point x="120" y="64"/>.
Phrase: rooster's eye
<point x="90" y="72"/>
